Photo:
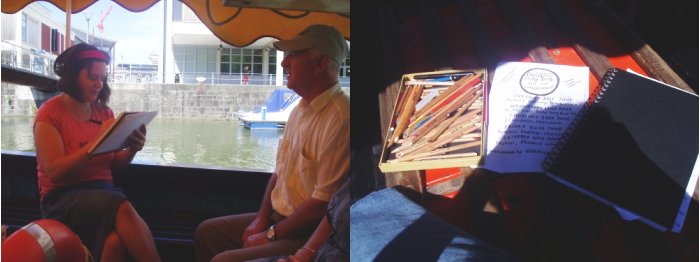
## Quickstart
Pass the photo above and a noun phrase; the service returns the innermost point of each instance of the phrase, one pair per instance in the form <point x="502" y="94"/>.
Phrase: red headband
<point x="93" y="54"/>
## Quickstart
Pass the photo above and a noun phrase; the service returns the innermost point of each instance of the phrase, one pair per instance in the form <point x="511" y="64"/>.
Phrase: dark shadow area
<point x="420" y="36"/>
<point x="602" y="157"/>
<point x="365" y="140"/>
<point x="474" y="208"/>
<point x="391" y="225"/>
<point x="535" y="218"/>
<point x="674" y="36"/>
<point x="550" y="221"/>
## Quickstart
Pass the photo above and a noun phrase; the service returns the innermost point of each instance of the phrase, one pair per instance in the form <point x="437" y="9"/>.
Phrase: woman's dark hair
<point x="68" y="65"/>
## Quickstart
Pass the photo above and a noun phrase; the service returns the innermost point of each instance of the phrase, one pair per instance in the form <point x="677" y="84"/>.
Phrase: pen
<point x="430" y="83"/>
<point x="402" y="121"/>
<point x="455" y="90"/>
<point x="446" y="77"/>
<point x="440" y="114"/>
<point x="440" y="79"/>
<point x="423" y="121"/>
<point x="452" y="119"/>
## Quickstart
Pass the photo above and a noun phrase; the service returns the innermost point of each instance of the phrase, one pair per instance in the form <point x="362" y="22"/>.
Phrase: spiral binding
<point x="561" y="146"/>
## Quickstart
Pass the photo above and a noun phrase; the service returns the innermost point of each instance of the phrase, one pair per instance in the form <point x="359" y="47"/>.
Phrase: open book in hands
<point x="114" y="139"/>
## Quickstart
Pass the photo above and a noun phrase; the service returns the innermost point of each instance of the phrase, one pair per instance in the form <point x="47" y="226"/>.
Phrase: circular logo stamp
<point x="539" y="82"/>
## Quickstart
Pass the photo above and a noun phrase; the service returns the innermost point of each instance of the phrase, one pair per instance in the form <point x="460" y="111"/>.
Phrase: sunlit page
<point x="530" y="105"/>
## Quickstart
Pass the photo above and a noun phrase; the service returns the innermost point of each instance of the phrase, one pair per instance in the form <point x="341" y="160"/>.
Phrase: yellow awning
<point x="13" y="6"/>
<point x="237" y="26"/>
<point x="242" y="26"/>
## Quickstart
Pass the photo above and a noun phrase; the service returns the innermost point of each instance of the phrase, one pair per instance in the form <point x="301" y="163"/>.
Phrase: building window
<point x="272" y="62"/>
<point x="177" y="11"/>
<point x="211" y="60"/>
<point x="24" y="28"/>
<point x="30" y="31"/>
<point x="8" y="27"/>
<point x="345" y="67"/>
<point x="195" y="61"/>
<point x="200" y="60"/>
<point x="235" y="60"/>
<point x="229" y="58"/>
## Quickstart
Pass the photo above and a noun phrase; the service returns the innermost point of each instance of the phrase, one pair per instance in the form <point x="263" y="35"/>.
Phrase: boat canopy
<point x="279" y="100"/>
<point x="239" y="26"/>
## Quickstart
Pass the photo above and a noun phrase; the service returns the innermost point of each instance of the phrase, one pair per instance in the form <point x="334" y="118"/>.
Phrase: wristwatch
<point x="271" y="233"/>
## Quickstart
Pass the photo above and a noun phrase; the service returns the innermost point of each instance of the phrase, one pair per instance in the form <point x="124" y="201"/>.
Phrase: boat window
<point x="190" y="79"/>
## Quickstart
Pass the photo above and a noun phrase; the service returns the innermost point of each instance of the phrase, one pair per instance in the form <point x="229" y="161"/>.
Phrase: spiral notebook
<point x="634" y="148"/>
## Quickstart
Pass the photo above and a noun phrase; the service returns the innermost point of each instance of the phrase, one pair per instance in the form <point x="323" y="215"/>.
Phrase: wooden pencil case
<point x="437" y="121"/>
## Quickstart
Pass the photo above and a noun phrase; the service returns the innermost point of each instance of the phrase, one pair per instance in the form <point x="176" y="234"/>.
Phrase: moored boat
<point x="274" y="113"/>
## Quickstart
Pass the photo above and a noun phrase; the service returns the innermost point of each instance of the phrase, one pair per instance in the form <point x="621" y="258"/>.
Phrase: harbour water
<point x="198" y="142"/>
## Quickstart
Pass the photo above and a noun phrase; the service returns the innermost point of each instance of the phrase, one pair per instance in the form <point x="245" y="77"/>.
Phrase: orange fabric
<point x="236" y="26"/>
<point x="434" y="176"/>
<point x="243" y="26"/>
<point x="77" y="6"/>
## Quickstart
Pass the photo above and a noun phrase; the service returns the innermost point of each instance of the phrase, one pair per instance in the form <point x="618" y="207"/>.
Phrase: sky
<point x="137" y="34"/>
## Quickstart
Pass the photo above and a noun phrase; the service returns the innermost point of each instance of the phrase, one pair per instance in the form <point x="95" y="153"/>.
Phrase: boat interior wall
<point x="172" y="200"/>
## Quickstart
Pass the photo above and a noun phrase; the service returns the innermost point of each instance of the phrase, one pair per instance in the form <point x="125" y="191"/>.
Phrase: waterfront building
<point x="192" y="51"/>
<point x="32" y="39"/>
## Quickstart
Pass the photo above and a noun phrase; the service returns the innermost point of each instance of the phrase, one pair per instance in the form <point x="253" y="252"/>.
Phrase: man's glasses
<point x="296" y="53"/>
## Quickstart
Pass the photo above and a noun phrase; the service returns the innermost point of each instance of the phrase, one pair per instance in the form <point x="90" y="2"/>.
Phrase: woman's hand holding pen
<point x="137" y="139"/>
<point x="104" y="126"/>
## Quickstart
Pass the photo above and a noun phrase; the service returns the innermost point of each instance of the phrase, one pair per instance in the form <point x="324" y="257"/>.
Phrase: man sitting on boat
<point x="312" y="159"/>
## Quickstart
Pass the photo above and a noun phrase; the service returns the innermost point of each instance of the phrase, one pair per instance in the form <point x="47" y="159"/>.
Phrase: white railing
<point x="238" y="79"/>
<point x="27" y="58"/>
<point x="135" y="76"/>
<point x="41" y="62"/>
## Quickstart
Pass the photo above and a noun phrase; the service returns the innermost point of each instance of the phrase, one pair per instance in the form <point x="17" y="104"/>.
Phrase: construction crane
<point x="100" y="25"/>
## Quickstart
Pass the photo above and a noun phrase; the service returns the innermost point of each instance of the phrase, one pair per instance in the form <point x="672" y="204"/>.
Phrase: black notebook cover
<point x="634" y="148"/>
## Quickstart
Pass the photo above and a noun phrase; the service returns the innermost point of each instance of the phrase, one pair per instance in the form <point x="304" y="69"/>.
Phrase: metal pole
<point x="69" y="8"/>
<point x="165" y="32"/>
<point x="88" y="16"/>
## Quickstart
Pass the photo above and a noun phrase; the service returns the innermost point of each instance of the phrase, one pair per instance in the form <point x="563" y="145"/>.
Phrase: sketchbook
<point x="114" y="138"/>
<point x="634" y="148"/>
<point x="531" y="104"/>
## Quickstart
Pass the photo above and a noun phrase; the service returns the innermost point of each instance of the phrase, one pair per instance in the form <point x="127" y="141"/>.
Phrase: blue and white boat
<point x="274" y="113"/>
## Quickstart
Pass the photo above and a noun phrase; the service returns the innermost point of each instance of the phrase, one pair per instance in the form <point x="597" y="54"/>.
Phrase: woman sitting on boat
<point x="76" y="188"/>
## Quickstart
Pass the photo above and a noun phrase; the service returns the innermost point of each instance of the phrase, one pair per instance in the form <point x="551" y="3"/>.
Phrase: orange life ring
<point x="44" y="240"/>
